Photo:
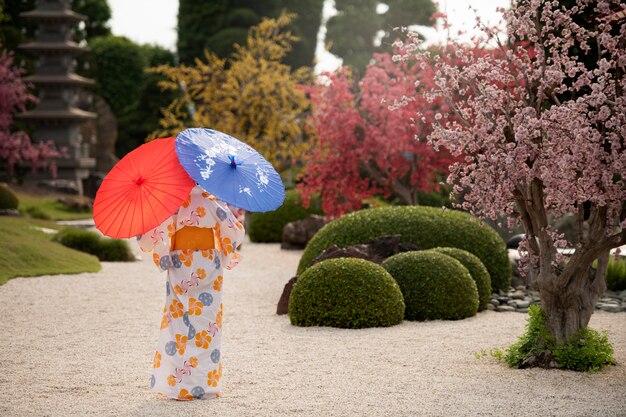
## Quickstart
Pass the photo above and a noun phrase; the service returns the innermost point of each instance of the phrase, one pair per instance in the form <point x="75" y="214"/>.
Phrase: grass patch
<point x="26" y="251"/>
<point x="49" y="208"/>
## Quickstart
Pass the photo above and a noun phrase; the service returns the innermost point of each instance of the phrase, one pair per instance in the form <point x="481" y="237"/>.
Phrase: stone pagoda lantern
<point x="55" y="116"/>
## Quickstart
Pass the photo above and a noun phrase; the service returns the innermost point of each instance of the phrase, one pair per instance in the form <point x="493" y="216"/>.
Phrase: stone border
<point x="519" y="299"/>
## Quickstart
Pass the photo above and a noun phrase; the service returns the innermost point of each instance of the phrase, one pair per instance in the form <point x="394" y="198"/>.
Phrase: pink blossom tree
<point x="16" y="147"/>
<point x="542" y="125"/>
<point x="364" y="147"/>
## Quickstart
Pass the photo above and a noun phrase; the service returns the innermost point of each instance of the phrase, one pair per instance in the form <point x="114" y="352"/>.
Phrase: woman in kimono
<point x="193" y="246"/>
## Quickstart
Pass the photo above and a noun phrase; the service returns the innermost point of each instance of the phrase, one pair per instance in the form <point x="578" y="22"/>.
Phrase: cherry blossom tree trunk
<point x="569" y="289"/>
<point x="569" y="309"/>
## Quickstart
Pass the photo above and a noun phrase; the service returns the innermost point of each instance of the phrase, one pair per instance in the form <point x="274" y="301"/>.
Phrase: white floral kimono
<point x="187" y="363"/>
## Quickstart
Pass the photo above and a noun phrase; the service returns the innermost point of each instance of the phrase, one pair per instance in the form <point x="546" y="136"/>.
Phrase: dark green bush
<point x="268" y="227"/>
<point x="477" y="270"/>
<point x="79" y="239"/>
<point x="8" y="199"/>
<point x="435" y="286"/>
<point x="109" y="250"/>
<point x="114" y="250"/>
<point x="346" y="292"/>
<point x="427" y="227"/>
<point x="589" y="350"/>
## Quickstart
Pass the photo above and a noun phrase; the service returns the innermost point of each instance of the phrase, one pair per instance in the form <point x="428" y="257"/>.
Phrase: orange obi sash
<point x="194" y="238"/>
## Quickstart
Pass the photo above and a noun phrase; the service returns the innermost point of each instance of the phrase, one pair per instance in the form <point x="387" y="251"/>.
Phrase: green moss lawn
<point x="27" y="251"/>
<point x="49" y="208"/>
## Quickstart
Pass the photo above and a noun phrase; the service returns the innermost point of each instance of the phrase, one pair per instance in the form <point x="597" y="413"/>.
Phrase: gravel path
<point x="83" y="345"/>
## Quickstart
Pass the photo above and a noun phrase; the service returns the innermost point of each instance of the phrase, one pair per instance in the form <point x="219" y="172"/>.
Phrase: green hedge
<point x="435" y="286"/>
<point x="427" y="227"/>
<point x="616" y="274"/>
<point x="268" y="227"/>
<point x="348" y="293"/>
<point x="477" y="270"/>
<point x="108" y="250"/>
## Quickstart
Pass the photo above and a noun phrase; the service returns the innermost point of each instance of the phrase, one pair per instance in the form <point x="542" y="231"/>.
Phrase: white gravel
<point x="82" y="345"/>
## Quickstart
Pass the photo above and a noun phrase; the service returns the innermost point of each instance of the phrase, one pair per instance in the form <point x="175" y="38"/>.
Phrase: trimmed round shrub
<point x="435" y="286"/>
<point x="477" y="270"/>
<point x="79" y="239"/>
<point x="268" y="226"/>
<point x="428" y="227"/>
<point x="348" y="293"/>
<point x="8" y="199"/>
<point x="108" y="250"/>
<point x="114" y="250"/>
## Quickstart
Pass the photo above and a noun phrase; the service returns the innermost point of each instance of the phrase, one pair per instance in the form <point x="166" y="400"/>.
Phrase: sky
<point x="154" y="21"/>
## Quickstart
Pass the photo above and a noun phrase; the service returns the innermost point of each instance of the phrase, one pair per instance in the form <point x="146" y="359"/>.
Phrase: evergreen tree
<point x="218" y="25"/>
<point x="353" y="31"/>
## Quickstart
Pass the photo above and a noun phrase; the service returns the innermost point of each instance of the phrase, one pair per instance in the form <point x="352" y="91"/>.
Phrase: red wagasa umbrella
<point x="142" y="190"/>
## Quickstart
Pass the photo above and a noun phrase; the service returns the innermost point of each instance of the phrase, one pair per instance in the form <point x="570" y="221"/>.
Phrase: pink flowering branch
<point x="15" y="146"/>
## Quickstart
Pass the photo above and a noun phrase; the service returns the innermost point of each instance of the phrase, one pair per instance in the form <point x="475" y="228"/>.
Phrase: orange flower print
<point x="157" y="360"/>
<point x="184" y="395"/>
<point x="219" y="371"/>
<point x="203" y="339"/>
<point x="176" y="308"/>
<point x="165" y="321"/>
<point x="187" y="201"/>
<point x="222" y="245"/>
<point x="201" y="211"/>
<point x="186" y="257"/>
<point x="209" y="196"/>
<point x="201" y="273"/>
<point x="234" y="260"/>
<point x="227" y="246"/>
<point x="217" y="284"/>
<point x="212" y="378"/>
<point x="181" y="343"/>
<point x="178" y="290"/>
<point x="195" y="307"/>
<point x="193" y="361"/>
<point x="207" y="253"/>
<point x="171" y="229"/>
<point x="218" y="318"/>
<point x="156" y="259"/>
<point x="171" y="380"/>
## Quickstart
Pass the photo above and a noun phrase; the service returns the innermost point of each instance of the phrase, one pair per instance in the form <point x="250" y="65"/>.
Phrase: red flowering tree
<point x="542" y="125"/>
<point x="365" y="148"/>
<point x="16" y="147"/>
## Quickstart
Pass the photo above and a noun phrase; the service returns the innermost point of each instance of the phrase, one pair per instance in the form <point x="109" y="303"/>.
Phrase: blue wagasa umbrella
<point x="230" y="169"/>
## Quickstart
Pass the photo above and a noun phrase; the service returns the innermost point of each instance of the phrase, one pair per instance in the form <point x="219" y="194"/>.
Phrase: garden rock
<point x="610" y="301"/>
<point x="376" y="250"/>
<point x="78" y="203"/>
<point x="283" y="303"/>
<point x="297" y="234"/>
<point x="9" y="212"/>
<point x="505" y="308"/>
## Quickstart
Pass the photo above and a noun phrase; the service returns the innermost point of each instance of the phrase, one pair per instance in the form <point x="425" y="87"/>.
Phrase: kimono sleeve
<point x="229" y="233"/>
<point x="158" y="241"/>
